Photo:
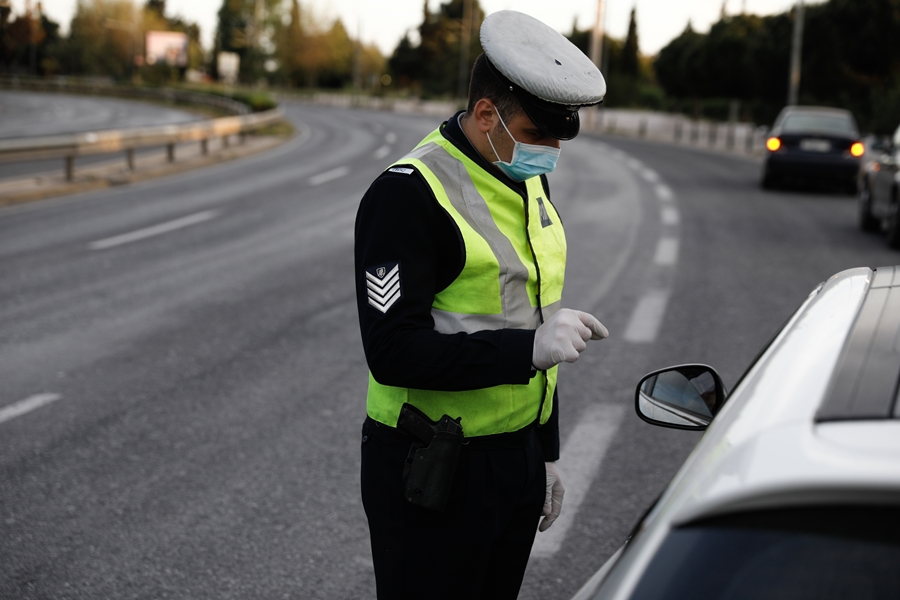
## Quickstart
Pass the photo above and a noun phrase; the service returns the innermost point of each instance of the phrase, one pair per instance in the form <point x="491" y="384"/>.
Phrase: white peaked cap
<point x="541" y="60"/>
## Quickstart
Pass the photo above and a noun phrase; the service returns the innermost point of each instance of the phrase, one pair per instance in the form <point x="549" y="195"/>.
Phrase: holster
<point x="431" y="463"/>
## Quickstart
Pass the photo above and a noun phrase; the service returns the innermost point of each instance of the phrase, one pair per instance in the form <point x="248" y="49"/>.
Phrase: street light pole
<point x="464" y="42"/>
<point x="796" y="44"/>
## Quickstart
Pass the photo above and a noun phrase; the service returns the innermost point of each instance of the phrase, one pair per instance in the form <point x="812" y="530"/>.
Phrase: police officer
<point x="460" y="260"/>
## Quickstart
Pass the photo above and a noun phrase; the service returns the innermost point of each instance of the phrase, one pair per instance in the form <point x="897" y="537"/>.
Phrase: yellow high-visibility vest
<point x="515" y="253"/>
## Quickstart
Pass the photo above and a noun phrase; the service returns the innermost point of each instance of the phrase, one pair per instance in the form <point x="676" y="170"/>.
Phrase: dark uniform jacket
<point x="399" y="220"/>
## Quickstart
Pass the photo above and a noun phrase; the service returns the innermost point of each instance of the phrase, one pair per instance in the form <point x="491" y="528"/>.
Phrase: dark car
<point x="815" y="145"/>
<point x="878" y="190"/>
<point x="794" y="489"/>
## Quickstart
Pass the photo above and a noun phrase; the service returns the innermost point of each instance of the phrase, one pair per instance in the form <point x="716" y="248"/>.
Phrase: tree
<point x="432" y="66"/>
<point x="289" y="41"/>
<point x="156" y="6"/>
<point x="850" y="59"/>
<point x="314" y="54"/>
<point x="630" y="51"/>
<point x="404" y="64"/>
<point x="678" y="65"/>
<point x="102" y="39"/>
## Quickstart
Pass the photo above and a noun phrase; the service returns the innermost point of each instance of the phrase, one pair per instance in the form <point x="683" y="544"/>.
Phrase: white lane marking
<point x="649" y="175"/>
<point x="382" y="152"/>
<point x="27" y="405"/>
<point x="579" y="464"/>
<point x="153" y="230"/>
<point x="666" y="251"/>
<point x="634" y="163"/>
<point x="669" y="215"/>
<point x="328" y="176"/>
<point x="647" y="317"/>
<point x="391" y="137"/>
<point x="664" y="193"/>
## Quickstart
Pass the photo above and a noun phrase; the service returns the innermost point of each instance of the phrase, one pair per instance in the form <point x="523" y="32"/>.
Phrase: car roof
<point x="864" y="384"/>
<point x="816" y="109"/>
<point x="814" y="419"/>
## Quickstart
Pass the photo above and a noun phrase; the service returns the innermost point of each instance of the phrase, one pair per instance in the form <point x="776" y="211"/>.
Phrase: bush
<point x="257" y="101"/>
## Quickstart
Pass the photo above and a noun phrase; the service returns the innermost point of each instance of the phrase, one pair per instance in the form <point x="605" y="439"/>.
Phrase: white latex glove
<point x="553" y="499"/>
<point x="564" y="336"/>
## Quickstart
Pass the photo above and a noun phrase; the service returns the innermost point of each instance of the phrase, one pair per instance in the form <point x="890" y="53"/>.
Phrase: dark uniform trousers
<point x="479" y="547"/>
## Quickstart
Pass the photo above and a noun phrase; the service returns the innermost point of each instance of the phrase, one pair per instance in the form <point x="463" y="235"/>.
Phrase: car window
<point x="819" y="553"/>
<point x="802" y="123"/>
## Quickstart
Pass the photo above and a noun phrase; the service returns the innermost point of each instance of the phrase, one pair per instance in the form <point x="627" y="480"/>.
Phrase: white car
<point x="794" y="490"/>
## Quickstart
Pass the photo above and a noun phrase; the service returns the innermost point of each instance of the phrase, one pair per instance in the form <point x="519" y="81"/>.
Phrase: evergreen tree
<point x="630" y="51"/>
<point x="432" y="66"/>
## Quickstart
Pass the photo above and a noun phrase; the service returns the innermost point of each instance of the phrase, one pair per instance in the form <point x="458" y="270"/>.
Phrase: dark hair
<point x="484" y="84"/>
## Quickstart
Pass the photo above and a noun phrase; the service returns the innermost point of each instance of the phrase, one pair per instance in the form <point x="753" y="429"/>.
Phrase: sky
<point x="384" y="22"/>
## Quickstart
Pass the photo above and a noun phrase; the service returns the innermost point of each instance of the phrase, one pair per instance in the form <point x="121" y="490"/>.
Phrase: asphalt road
<point x="34" y="114"/>
<point x="191" y="349"/>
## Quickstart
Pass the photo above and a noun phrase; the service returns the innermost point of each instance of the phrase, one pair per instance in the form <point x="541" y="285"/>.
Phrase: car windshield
<point x="819" y="553"/>
<point x="808" y="122"/>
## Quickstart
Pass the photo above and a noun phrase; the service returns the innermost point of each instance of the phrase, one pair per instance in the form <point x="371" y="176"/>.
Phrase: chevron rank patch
<point x="383" y="286"/>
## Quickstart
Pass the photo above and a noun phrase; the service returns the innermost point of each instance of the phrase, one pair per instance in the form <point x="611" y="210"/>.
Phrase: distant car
<point x="794" y="489"/>
<point x="879" y="190"/>
<point x="815" y="145"/>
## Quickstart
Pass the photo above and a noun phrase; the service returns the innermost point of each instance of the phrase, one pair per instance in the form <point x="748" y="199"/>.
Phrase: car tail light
<point x="773" y="144"/>
<point x="857" y="149"/>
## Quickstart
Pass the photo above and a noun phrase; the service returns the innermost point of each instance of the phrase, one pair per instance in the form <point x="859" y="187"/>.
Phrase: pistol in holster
<point x="431" y="463"/>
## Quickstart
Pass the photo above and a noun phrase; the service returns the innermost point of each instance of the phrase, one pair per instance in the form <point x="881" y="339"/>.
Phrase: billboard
<point x="229" y="66"/>
<point x="169" y="47"/>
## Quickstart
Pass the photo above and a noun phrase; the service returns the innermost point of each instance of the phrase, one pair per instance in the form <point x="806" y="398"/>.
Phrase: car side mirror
<point x="682" y="397"/>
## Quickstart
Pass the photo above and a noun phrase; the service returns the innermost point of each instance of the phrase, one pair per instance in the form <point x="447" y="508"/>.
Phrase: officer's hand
<point x="554" y="497"/>
<point x="564" y="337"/>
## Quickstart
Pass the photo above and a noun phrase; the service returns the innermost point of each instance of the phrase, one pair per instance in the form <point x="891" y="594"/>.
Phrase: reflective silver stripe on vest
<point x="517" y="312"/>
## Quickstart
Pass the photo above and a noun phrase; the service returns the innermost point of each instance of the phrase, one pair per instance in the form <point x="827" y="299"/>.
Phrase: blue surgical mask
<point x="528" y="160"/>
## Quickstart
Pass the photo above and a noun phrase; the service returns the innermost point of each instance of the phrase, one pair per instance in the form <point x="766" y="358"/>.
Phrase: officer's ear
<point x="483" y="114"/>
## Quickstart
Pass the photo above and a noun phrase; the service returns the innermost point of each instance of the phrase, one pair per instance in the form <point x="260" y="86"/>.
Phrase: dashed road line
<point x="329" y="176"/>
<point x="647" y="317"/>
<point x="664" y="193"/>
<point x="649" y="175"/>
<point x="669" y="215"/>
<point x="27" y="405"/>
<point x="634" y="163"/>
<point x="391" y="137"/>
<point x="382" y="152"/>
<point x="666" y="251"/>
<point x="147" y="232"/>
<point x="580" y="461"/>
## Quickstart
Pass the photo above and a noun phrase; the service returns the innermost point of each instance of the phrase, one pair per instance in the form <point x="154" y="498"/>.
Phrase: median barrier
<point x="127" y="140"/>
<point x="732" y="136"/>
<point x="735" y="137"/>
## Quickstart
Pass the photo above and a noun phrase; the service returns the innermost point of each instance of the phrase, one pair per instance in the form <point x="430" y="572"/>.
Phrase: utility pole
<point x="597" y="37"/>
<point x="465" y="38"/>
<point x="357" y="51"/>
<point x="796" y="44"/>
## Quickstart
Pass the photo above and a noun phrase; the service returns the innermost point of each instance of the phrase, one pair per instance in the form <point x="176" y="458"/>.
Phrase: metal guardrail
<point x="117" y="140"/>
<point x="71" y="146"/>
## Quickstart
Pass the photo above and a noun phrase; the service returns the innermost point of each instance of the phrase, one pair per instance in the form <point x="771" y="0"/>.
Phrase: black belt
<point x="514" y="440"/>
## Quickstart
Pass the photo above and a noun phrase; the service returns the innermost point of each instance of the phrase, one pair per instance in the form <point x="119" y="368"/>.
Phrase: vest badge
<point x="383" y="286"/>
<point x="545" y="218"/>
